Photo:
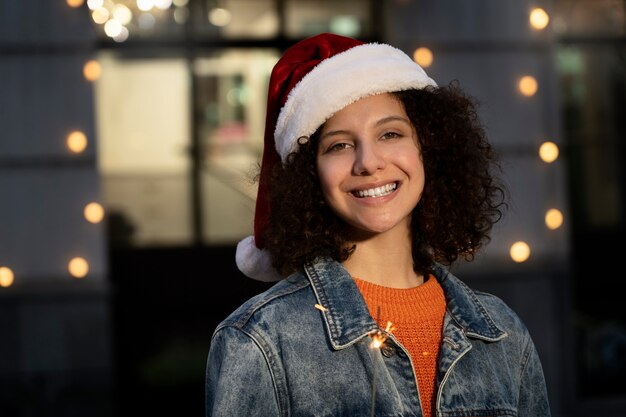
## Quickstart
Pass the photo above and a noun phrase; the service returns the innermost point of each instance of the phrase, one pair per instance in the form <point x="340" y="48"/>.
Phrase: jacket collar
<point x="465" y="308"/>
<point x="345" y="312"/>
<point x="347" y="318"/>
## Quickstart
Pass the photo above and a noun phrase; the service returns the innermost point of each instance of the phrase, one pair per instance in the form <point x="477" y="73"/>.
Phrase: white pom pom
<point x="254" y="262"/>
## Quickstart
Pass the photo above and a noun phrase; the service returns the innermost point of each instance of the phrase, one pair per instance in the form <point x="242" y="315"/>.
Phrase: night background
<point x="129" y="135"/>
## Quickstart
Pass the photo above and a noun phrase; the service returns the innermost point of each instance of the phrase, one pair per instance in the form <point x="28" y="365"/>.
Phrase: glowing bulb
<point x="520" y="251"/>
<point x="219" y="17"/>
<point x="163" y="4"/>
<point x="122" y="36"/>
<point x="74" y="3"/>
<point x="76" y="141"/>
<point x="78" y="267"/>
<point x="100" y="15"/>
<point x="554" y="219"/>
<point x="122" y="14"/>
<point x="92" y="70"/>
<point x="548" y="152"/>
<point x="6" y="277"/>
<point x="145" y="5"/>
<point x="94" y="4"/>
<point x="94" y="212"/>
<point x="538" y="18"/>
<point x="527" y="85"/>
<point x="113" y="28"/>
<point x="423" y="56"/>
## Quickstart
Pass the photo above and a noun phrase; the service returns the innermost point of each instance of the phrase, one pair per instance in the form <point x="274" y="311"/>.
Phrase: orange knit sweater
<point x="417" y="316"/>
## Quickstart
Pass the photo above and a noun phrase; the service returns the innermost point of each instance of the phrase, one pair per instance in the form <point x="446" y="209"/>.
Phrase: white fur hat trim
<point x="340" y="80"/>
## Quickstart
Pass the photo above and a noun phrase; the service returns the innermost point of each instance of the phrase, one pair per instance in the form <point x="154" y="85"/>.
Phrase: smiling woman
<point x="370" y="169"/>
<point x="373" y="181"/>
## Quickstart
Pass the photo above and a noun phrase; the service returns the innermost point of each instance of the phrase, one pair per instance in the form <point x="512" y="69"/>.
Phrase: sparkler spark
<point x="379" y="337"/>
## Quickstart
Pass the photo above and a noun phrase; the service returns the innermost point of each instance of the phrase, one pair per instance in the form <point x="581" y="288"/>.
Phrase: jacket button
<point x="387" y="350"/>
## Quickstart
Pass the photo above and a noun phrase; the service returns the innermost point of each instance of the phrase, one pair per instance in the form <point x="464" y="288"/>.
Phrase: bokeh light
<point x="78" y="267"/>
<point x="100" y="15"/>
<point x="554" y="219"/>
<point x="94" y="212"/>
<point x="528" y="85"/>
<point x="122" y="14"/>
<point x="145" y="5"/>
<point x="113" y="28"/>
<point x="538" y="18"/>
<point x="75" y="3"/>
<point x="77" y="141"/>
<point x="92" y="70"/>
<point x="423" y="56"/>
<point x="219" y="17"/>
<point x="94" y="4"/>
<point x="548" y="152"/>
<point x="6" y="277"/>
<point x="520" y="251"/>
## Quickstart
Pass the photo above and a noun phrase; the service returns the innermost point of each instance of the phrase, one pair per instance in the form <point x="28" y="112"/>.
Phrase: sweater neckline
<point x="424" y="293"/>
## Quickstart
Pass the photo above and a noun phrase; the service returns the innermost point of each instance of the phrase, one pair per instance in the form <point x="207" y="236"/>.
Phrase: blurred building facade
<point x="157" y="118"/>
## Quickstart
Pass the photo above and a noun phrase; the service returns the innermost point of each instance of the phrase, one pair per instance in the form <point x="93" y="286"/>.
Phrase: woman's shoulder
<point x="471" y="305"/>
<point x="277" y="301"/>
<point x="498" y="307"/>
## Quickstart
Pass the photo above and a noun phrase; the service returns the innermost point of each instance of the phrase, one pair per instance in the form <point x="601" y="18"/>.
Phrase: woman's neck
<point x="384" y="259"/>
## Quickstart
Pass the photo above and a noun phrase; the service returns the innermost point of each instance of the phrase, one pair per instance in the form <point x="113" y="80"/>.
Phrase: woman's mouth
<point x="377" y="191"/>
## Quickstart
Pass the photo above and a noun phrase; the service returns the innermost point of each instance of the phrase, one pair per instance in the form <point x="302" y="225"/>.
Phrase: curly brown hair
<point x="461" y="201"/>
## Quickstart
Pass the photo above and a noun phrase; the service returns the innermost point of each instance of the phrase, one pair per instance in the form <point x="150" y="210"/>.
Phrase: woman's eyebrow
<point x="332" y="133"/>
<point x="392" y="119"/>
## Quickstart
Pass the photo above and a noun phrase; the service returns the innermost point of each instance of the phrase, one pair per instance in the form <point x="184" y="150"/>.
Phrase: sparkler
<point x="379" y="337"/>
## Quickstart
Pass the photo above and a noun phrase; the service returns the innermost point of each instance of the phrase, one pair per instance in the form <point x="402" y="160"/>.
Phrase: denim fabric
<point x="279" y="355"/>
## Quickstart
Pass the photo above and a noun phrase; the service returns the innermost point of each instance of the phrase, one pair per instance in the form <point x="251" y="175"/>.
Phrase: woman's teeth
<point x="377" y="192"/>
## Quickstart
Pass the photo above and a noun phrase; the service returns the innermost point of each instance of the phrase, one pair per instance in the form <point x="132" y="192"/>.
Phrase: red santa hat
<point x="314" y="79"/>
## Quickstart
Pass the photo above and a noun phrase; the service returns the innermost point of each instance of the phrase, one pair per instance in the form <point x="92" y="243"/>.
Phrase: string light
<point x="122" y="14"/>
<point x="78" y="267"/>
<point x="113" y="28"/>
<point x="538" y="18"/>
<point x="520" y="251"/>
<point x="100" y="15"/>
<point x="163" y="4"/>
<point x="77" y="141"/>
<point x="548" y="152"/>
<point x="94" y="212"/>
<point x="554" y="219"/>
<point x="423" y="56"/>
<point x="6" y="277"/>
<point x="74" y="3"/>
<point x="94" y="4"/>
<point x="145" y="5"/>
<point x="528" y="85"/>
<point x="92" y="70"/>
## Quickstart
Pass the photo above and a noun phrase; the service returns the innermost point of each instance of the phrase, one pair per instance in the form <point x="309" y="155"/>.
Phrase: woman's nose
<point x="368" y="160"/>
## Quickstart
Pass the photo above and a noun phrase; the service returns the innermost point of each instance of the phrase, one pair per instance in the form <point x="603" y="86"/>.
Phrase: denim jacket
<point x="280" y="355"/>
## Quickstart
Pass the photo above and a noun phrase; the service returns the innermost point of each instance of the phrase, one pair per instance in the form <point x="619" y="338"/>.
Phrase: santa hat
<point x="314" y="79"/>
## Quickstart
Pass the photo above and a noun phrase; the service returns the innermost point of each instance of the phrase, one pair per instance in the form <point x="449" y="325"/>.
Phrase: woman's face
<point x="370" y="166"/>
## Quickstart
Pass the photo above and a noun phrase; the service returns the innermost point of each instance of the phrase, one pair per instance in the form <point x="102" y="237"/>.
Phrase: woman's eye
<point x="338" y="147"/>
<point x="391" y="135"/>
